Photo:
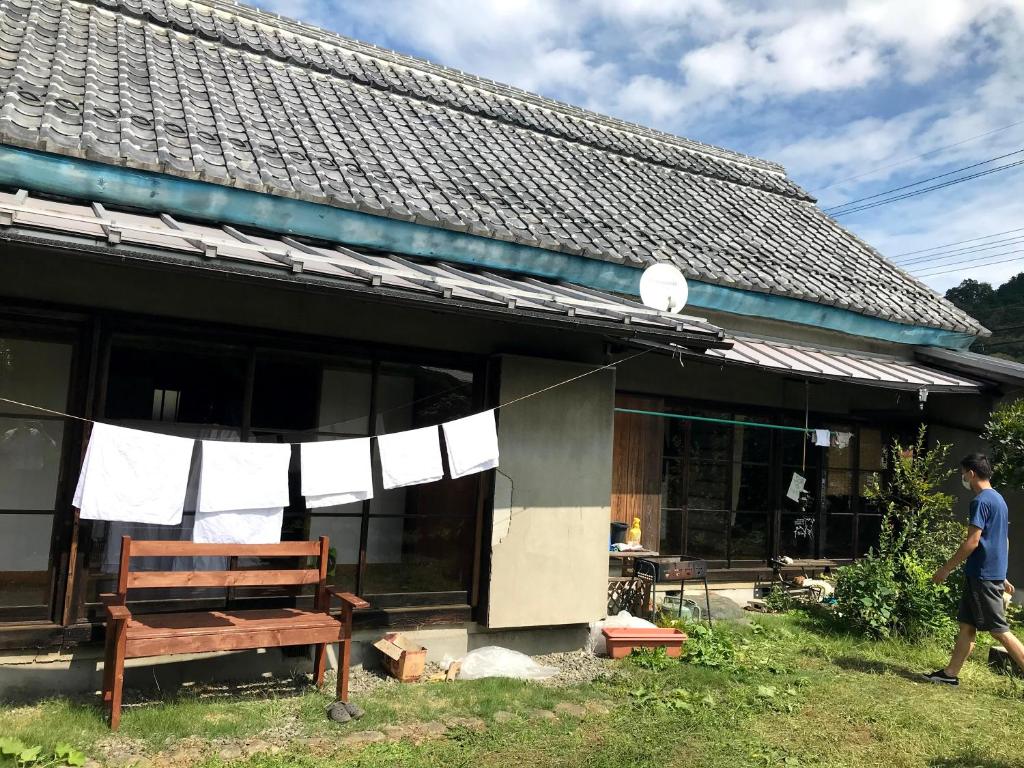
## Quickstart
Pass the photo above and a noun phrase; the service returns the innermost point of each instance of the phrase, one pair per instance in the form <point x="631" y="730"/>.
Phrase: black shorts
<point x="982" y="605"/>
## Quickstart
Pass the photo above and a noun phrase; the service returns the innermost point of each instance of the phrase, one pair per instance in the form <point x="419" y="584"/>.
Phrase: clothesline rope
<point x="500" y="405"/>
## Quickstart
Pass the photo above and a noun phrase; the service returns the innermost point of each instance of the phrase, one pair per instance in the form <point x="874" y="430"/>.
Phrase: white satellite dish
<point x="663" y="287"/>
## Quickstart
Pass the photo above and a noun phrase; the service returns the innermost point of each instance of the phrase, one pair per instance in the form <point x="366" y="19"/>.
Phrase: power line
<point x="986" y="258"/>
<point x="961" y="266"/>
<point x="930" y="189"/>
<point x="918" y="157"/>
<point x="961" y="251"/>
<point x="923" y="181"/>
<point x="958" y="242"/>
<point x="1002" y="343"/>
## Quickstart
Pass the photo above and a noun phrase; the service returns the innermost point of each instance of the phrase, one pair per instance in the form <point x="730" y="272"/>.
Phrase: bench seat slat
<point x="190" y="549"/>
<point x="139" y="579"/>
<point x="211" y="622"/>
<point x="283" y="635"/>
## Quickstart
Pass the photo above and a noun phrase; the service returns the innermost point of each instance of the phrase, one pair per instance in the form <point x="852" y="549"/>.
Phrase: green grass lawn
<point x="795" y="693"/>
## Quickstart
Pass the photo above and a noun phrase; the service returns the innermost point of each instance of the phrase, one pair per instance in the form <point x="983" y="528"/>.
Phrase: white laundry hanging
<point x="336" y="472"/>
<point x="822" y="437"/>
<point x="412" y="457"/>
<point x="129" y="475"/>
<point x="472" y="444"/>
<point x="841" y="440"/>
<point x="243" y="489"/>
<point x="241" y="526"/>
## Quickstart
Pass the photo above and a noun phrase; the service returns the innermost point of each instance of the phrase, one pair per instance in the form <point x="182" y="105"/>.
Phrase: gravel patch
<point x="574" y="667"/>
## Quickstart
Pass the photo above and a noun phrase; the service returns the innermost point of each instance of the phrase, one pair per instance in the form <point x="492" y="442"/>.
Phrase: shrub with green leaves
<point x="867" y="594"/>
<point x="707" y="648"/>
<point x="650" y="658"/>
<point x="779" y="600"/>
<point x="20" y="754"/>
<point x="890" y="592"/>
<point x="1005" y="434"/>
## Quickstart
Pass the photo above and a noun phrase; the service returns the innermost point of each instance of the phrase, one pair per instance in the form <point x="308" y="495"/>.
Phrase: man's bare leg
<point x="1013" y="647"/>
<point x="963" y="648"/>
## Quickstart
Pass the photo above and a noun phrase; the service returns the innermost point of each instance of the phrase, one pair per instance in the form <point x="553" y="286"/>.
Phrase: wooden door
<point x="636" y="466"/>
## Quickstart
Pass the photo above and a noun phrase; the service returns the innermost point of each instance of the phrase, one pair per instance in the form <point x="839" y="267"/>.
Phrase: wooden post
<point x="322" y="602"/>
<point x="122" y="569"/>
<point x="120" y="640"/>
<point x="116" y="660"/>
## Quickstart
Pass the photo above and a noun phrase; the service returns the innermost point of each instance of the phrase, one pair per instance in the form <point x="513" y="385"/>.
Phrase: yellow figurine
<point x="633" y="537"/>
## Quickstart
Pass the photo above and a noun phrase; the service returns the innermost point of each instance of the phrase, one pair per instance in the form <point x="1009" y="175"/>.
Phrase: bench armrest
<point x="348" y="597"/>
<point x="115" y="611"/>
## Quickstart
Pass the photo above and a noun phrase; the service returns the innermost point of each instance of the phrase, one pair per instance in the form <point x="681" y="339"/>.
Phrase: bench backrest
<point x="129" y="579"/>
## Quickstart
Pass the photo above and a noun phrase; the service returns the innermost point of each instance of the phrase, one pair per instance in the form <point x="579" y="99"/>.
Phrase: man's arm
<point x="970" y="544"/>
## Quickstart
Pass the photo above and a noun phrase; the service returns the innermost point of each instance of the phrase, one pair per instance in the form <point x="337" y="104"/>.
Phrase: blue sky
<point x="832" y="90"/>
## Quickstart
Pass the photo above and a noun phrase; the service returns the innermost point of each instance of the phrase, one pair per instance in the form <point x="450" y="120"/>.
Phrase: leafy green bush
<point x="778" y="600"/>
<point x="926" y="609"/>
<point x="1005" y="433"/>
<point x="890" y="592"/>
<point x="707" y="648"/>
<point x="656" y="659"/>
<point x="1015" y="615"/>
<point x="21" y="754"/>
<point x="867" y="595"/>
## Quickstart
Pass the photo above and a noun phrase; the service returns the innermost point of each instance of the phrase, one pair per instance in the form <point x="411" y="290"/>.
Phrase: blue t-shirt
<point x="988" y="561"/>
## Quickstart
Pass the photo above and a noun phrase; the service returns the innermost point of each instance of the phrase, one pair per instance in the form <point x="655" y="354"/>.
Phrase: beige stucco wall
<point x="549" y="548"/>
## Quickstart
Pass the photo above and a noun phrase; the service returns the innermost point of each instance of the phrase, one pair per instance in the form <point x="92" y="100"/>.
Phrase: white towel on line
<point x="236" y="476"/>
<point x="243" y="489"/>
<point x="822" y="437"/>
<point x="336" y="472"/>
<point x="133" y="476"/>
<point x="472" y="444"/>
<point x="410" y="458"/>
<point x="241" y="526"/>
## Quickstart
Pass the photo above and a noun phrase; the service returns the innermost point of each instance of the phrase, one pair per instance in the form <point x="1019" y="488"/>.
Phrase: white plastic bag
<point x="492" y="661"/>
<point x="596" y="642"/>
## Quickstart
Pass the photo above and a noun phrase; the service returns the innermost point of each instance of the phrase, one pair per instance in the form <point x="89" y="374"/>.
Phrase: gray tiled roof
<point x="231" y="95"/>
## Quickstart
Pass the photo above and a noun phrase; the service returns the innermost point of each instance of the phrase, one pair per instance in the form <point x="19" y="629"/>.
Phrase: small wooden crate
<point x="403" y="659"/>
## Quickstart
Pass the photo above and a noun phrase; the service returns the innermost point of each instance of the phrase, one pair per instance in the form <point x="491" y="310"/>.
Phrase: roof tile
<point x="217" y="91"/>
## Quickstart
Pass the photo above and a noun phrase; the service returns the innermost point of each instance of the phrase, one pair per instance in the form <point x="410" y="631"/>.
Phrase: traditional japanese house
<point x="220" y="223"/>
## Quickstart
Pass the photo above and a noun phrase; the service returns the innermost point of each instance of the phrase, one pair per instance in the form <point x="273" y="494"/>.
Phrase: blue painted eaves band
<point x="115" y="185"/>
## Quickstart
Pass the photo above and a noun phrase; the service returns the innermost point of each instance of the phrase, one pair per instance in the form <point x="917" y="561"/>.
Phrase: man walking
<point x="986" y="551"/>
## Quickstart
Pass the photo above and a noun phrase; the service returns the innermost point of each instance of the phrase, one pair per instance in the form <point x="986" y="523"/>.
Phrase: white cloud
<point x="801" y="48"/>
<point x="648" y="99"/>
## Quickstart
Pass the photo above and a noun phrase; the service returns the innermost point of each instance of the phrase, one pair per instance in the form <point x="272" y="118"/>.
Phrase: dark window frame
<point x="780" y="469"/>
<point x="253" y="345"/>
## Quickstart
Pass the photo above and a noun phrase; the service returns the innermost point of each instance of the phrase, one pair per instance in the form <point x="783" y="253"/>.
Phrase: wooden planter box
<point x="621" y="640"/>
<point x="403" y="659"/>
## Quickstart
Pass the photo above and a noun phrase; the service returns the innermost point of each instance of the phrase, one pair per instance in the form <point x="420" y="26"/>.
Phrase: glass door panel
<point x="31" y="450"/>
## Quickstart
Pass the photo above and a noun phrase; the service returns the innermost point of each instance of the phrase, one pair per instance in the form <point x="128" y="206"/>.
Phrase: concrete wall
<point x="549" y="553"/>
<point x="966" y="441"/>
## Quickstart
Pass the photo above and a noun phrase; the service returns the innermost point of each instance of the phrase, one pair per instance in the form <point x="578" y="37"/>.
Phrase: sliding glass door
<point x="32" y="458"/>
<point x="407" y="547"/>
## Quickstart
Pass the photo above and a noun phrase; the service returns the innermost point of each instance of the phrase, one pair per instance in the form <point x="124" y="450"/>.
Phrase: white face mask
<point x="966" y="482"/>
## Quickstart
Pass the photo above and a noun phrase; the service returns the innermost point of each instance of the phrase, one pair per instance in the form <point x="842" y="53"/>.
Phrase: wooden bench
<point x="130" y="637"/>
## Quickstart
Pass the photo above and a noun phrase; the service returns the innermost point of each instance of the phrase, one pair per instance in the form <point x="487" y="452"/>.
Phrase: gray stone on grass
<point x="364" y="737"/>
<point x="568" y="708"/>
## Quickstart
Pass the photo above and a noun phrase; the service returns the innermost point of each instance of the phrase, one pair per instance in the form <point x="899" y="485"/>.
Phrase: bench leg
<point x="343" y="662"/>
<point x="117" y="682"/>
<point x="108" y="664"/>
<point x="319" y="664"/>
